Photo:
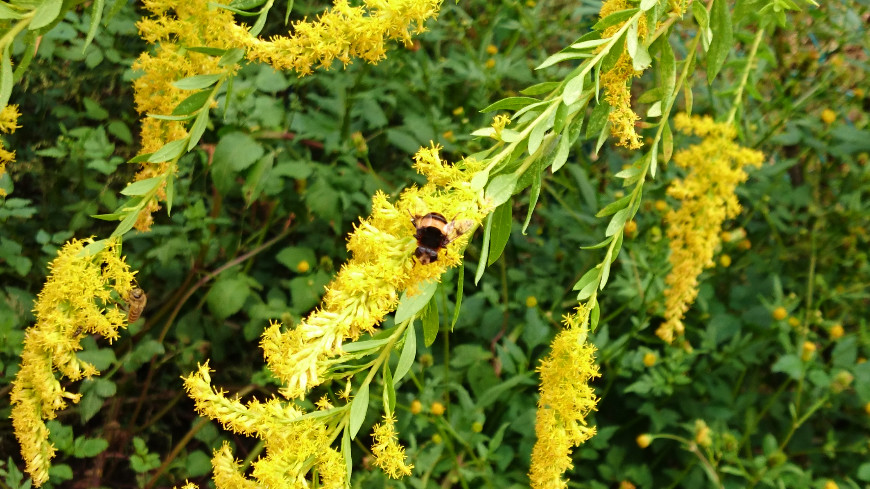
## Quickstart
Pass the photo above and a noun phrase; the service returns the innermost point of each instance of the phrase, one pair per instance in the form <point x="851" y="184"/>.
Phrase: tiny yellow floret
<point x="416" y="407"/>
<point x="837" y="332"/>
<point x="779" y="313"/>
<point x="303" y="266"/>
<point x="490" y="63"/>
<point x="649" y="359"/>
<point x="531" y="301"/>
<point x="725" y="261"/>
<point x="831" y="485"/>
<point x="807" y="350"/>
<point x="828" y="116"/>
<point x="643" y="440"/>
<point x="437" y="408"/>
<point x="491" y="49"/>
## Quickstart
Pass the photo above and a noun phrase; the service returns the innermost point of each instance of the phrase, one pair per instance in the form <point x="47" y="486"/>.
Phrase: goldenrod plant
<point x="348" y="351"/>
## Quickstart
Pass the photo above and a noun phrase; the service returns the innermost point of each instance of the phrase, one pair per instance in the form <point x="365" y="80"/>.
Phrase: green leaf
<point x="197" y="82"/>
<point x="564" y="55"/>
<point x="193" y="103"/>
<point x="536" y="136"/>
<point x="389" y="391"/>
<point x="409" y="306"/>
<point x="573" y="89"/>
<point x="89" y="447"/>
<point x="142" y="187"/>
<point x="540" y="88"/>
<point x="614" y="18"/>
<point x="598" y="119"/>
<point x="723" y="37"/>
<point x="501" y="231"/>
<point x="96" y="15"/>
<point x="598" y="245"/>
<point x="198" y="128"/>
<point x="667" y="142"/>
<point x="562" y="152"/>
<point x="460" y="283"/>
<point x="257" y="178"/>
<point x="126" y="224"/>
<point x="227" y="296"/>
<point x="617" y="222"/>
<point x="595" y="316"/>
<point x="612" y="56"/>
<point x="237" y="151"/>
<point x="45" y="14"/>
<point x="208" y="50"/>
<point x="501" y="188"/>
<point x="667" y="70"/>
<point x="615" y="206"/>
<point x="169" y="151"/>
<point x="533" y="196"/>
<point x="292" y="256"/>
<point x="484" y="249"/>
<point x="409" y="353"/>
<point x="790" y="365"/>
<point x="6" y="12"/>
<point x="590" y="43"/>
<point x="431" y="322"/>
<point x="142" y="158"/>
<point x="358" y="409"/>
<point x="5" y="77"/>
<point x="345" y="451"/>
<point x="647" y="4"/>
<point x="510" y="103"/>
<point x="232" y="57"/>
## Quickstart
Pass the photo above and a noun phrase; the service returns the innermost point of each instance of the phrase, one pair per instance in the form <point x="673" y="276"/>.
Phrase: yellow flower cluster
<point x="715" y="168"/>
<point x="364" y="291"/>
<point x="617" y="82"/>
<point x="389" y="455"/>
<point x="566" y="400"/>
<point x="80" y="297"/>
<point x="8" y="124"/>
<point x="341" y="33"/>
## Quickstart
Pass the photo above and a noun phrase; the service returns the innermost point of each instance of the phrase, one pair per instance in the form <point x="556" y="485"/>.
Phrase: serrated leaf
<point x="410" y="306"/>
<point x="501" y="231"/>
<point x="723" y="37"/>
<point x="358" y="409"/>
<point x="142" y="187"/>
<point x="510" y="103"/>
<point x="409" y="353"/>
<point x="169" y="151"/>
<point x="197" y="82"/>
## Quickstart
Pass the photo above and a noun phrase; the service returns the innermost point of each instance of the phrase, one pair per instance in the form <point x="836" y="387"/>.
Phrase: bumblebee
<point x="136" y="301"/>
<point x="435" y="232"/>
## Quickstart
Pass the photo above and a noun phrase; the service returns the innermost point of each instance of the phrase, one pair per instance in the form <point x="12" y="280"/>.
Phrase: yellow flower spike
<point x="566" y="399"/>
<point x="77" y="298"/>
<point x="8" y="124"/>
<point x="389" y="454"/>
<point x="715" y="168"/>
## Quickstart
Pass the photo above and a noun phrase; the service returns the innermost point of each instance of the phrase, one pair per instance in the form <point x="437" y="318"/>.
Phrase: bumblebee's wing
<point x="455" y="229"/>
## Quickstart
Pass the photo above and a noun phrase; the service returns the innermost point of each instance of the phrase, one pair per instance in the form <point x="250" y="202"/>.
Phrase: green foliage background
<point x="283" y="155"/>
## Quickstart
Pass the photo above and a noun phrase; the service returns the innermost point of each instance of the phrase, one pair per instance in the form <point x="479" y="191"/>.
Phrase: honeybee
<point x="434" y="233"/>
<point x="136" y="300"/>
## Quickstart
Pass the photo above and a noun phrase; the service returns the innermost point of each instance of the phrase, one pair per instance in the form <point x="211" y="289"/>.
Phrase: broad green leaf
<point x="257" y="178"/>
<point x="169" y="151"/>
<point x="126" y="224"/>
<point x="562" y="56"/>
<point x="297" y="258"/>
<point x="231" y="57"/>
<point x="723" y="37"/>
<point x="790" y="365"/>
<point x="501" y="188"/>
<point x="358" y="409"/>
<point x="227" y="296"/>
<point x="431" y="322"/>
<point x="45" y="14"/>
<point x="537" y="135"/>
<point x="6" y="12"/>
<point x="510" y="103"/>
<point x="647" y="4"/>
<point x="197" y="82"/>
<point x="409" y="352"/>
<point x="142" y="187"/>
<point x="409" y="306"/>
<point x="501" y="231"/>
<point x="237" y="151"/>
